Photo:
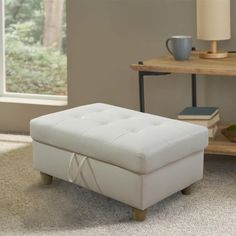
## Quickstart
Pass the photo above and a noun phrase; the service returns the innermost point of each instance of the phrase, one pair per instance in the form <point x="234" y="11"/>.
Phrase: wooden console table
<point x="195" y="66"/>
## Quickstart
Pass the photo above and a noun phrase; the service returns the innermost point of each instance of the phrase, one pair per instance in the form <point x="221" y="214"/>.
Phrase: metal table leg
<point x="194" y="86"/>
<point x="194" y="90"/>
<point x="141" y="92"/>
<point x="142" y="74"/>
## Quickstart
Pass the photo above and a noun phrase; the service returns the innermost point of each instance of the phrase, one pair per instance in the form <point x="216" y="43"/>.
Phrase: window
<point x="33" y="49"/>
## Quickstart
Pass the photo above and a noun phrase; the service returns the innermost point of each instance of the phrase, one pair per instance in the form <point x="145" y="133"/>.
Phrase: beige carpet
<point x="28" y="208"/>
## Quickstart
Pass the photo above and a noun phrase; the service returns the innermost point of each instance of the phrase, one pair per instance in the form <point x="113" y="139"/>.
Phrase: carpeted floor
<point x="28" y="208"/>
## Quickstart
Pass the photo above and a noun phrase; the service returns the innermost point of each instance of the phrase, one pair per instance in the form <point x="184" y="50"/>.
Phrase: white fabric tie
<point x="79" y="164"/>
<point x="79" y="172"/>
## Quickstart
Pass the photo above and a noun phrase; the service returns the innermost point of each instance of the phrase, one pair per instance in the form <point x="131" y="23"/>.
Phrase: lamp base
<point x="211" y="55"/>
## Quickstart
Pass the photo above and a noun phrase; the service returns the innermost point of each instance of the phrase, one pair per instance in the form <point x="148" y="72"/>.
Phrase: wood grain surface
<point x="220" y="145"/>
<point x="195" y="65"/>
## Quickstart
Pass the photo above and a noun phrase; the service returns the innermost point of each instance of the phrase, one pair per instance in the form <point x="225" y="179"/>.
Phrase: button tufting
<point x="132" y="130"/>
<point x="126" y="117"/>
<point x="162" y="124"/>
<point x="76" y="116"/>
<point x="103" y="123"/>
<point x="99" y="110"/>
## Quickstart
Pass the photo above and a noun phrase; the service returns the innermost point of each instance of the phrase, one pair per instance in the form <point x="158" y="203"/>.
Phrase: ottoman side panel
<point x="100" y="177"/>
<point x="114" y="182"/>
<point x="51" y="160"/>
<point x="172" y="178"/>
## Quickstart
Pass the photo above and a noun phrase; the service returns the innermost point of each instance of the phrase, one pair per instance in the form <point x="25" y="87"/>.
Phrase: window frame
<point x="2" y="49"/>
<point x="3" y="92"/>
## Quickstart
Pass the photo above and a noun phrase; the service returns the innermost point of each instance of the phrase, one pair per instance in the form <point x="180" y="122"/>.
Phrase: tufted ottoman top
<point x="129" y="139"/>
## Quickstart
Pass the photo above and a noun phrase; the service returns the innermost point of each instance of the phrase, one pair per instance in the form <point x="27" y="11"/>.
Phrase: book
<point x="207" y="123"/>
<point x="212" y="131"/>
<point x="198" y="113"/>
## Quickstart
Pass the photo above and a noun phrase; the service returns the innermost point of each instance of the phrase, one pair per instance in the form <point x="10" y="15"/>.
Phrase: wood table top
<point x="194" y="65"/>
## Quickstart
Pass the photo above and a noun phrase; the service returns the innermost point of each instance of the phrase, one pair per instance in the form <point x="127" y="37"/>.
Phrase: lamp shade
<point x="213" y="19"/>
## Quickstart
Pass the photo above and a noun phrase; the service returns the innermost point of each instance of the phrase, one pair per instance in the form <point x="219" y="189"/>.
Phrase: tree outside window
<point x="35" y="47"/>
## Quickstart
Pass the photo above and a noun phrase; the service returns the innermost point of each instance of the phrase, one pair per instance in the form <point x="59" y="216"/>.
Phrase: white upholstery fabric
<point x="135" y="141"/>
<point x="140" y="191"/>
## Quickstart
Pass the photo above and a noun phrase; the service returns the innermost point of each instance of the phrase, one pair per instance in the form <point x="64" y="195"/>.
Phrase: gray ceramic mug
<point x="180" y="48"/>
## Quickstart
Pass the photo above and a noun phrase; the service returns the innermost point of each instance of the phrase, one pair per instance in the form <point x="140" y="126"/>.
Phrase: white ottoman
<point x="133" y="157"/>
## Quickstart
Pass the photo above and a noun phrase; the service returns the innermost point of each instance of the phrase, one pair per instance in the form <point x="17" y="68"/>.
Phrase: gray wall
<point x="110" y="35"/>
<point x="106" y="36"/>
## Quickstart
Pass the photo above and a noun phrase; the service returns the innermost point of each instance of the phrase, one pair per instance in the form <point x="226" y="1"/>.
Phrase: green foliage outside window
<point x="32" y="67"/>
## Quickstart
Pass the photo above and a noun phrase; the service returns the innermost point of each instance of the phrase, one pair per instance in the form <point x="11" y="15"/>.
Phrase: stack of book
<point x="205" y="116"/>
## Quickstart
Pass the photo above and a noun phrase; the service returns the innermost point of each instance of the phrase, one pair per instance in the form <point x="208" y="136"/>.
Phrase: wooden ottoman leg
<point x="139" y="215"/>
<point x="45" y="178"/>
<point x="188" y="190"/>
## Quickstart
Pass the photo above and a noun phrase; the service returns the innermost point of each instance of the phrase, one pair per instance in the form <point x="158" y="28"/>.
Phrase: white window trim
<point x="3" y="92"/>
